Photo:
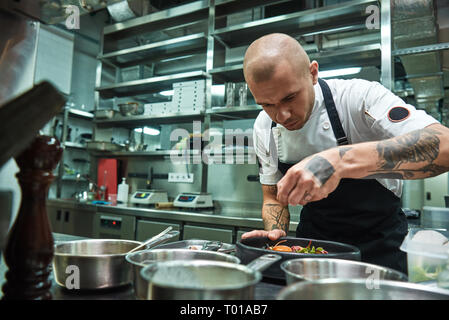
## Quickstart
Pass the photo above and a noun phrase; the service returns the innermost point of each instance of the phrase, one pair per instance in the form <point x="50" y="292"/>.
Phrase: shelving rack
<point x="198" y="37"/>
<point x="66" y="115"/>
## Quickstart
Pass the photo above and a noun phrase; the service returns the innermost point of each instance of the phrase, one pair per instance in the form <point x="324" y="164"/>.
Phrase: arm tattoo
<point x="420" y="146"/>
<point x="279" y="216"/>
<point x="320" y="168"/>
<point x="343" y="150"/>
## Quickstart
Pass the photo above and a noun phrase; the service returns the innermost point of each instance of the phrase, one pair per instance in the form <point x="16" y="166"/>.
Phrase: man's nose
<point x="283" y="115"/>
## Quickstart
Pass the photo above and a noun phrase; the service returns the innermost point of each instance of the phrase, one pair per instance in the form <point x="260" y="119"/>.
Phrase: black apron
<point x="360" y="212"/>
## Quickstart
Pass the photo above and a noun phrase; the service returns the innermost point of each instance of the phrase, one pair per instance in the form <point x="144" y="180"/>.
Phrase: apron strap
<point x="339" y="133"/>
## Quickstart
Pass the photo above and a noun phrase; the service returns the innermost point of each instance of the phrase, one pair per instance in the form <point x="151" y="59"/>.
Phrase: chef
<point x="339" y="148"/>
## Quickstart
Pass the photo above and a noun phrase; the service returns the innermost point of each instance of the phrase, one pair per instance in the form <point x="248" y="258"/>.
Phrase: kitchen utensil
<point x="131" y="108"/>
<point x="307" y="269"/>
<point x="152" y="239"/>
<point x="195" y="243"/>
<point x="101" y="262"/>
<point x="141" y="259"/>
<point x="360" y="289"/>
<point x="251" y="248"/>
<point x="204" y="280"/>
<point x="104" y="146"/>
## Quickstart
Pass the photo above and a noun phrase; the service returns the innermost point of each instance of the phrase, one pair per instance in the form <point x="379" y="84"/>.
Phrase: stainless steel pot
<point x="204" y="280"/>
<point x="131" y="108"/>
<point x="141" y="259"/>
<point x="307" y="269"/>
<point x="97" y="263"/>
<point x="360" y="289"/>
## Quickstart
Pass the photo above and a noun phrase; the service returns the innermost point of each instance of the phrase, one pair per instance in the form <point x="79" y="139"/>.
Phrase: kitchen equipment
<point x="360" y="289"/>
<point x="107" y="177"/>
<point x="141" y="259"/>
<point x="131" y="109"/>
<point x="204" y="280"/>
<point x="425" y="257"/>
<point x="243" y="94"/>
<point x="104" y="146"/>
<point x="307" y="269"/>
<point x="194" y="200"/>
<point x="230" y="94"/>
<point x="148" y="197"/>
<point x="195" y="244"/>
<point x="251" y="248"/>
<point x="101" y="262"/>
<point x="160" y="235"/>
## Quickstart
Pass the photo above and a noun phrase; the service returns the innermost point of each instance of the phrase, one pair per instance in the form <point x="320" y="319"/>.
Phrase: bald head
<point x="265" y="53"/>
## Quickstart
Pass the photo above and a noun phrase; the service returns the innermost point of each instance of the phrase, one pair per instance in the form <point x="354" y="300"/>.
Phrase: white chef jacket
<point x="364" y="110"/>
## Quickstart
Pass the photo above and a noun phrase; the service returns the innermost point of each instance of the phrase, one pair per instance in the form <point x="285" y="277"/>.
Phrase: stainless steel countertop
<point x="244" y="218"/>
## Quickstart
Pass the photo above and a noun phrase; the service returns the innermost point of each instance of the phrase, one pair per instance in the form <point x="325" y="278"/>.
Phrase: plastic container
<point x="424" y="260"/>
<point x="122" y="192"/>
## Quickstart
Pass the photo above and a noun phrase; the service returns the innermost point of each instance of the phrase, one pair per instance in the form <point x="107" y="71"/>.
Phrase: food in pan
<point x="296" y="249"/>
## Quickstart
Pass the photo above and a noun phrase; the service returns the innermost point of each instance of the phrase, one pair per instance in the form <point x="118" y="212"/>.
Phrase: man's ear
<point x="314" y="71"/>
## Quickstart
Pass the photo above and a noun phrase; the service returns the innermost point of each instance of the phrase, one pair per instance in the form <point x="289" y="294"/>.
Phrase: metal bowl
<point x="251" y="248"/>
<point x="360" y="289"/>
<point x="131" y="108"/>
<point x="141" y="259"/>
<point x="99" y="263"/>
<point x="307" y="269"/>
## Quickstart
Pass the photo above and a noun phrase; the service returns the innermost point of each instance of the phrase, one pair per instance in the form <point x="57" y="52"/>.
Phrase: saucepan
<point x="99" y="263"/>
<point x="141" y="259"/>
<point x="251" y="248"/>
<point x="360" y="289"/>
<point x="308" y="269"/>
<point x="204" y="280"/>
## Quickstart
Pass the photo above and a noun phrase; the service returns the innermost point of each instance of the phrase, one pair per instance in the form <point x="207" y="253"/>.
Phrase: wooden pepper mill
<point x="29" y="250"/>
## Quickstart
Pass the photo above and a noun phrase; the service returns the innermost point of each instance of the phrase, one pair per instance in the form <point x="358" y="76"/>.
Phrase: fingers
<point x="272" y="235"/>
<point x="255" y="233"/>
<point x="297" y="187"/>
<point x="276" y="234"/>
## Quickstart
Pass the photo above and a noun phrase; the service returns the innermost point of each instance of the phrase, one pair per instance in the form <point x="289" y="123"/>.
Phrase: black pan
<point x="249" y="249"/>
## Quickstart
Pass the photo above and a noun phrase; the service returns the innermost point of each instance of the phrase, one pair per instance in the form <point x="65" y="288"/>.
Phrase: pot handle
<point x="263" y="262"/>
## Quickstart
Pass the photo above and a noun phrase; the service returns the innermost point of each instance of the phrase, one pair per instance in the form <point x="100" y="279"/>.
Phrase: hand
<point x="272" y="235"/>
<point x="312" y="179"/>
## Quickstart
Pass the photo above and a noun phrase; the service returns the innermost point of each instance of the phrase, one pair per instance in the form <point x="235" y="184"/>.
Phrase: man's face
<point x="287" y="97"/>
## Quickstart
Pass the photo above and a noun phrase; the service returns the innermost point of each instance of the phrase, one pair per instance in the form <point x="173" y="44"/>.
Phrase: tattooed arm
<point x="276" y="217"/>
<point x="415" y="155"/>
<point x="419" y="154"/>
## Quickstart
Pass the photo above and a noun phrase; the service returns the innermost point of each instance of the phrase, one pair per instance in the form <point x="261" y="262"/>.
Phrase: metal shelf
<point x="179" y="15"/>
<point x="149" y="85"/>
<point x="364" y="55"/>
<point x="80" y="114"/>
<point x="145" y="120"/>
<point x="158" y="153"/>
<point x="368" y="54"/>
<point x="231" y="73"/>
<point x="226" y="7"/>
<point x="244" y="112"/>
<point x="307" y="21"/>
<point x="74" y="145"/>
<point x="151" y="52"/>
